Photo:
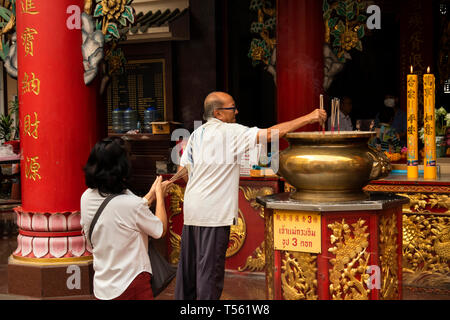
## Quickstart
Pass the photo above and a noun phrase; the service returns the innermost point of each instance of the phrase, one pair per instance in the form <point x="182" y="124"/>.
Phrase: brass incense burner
<point x="331" y="167"/>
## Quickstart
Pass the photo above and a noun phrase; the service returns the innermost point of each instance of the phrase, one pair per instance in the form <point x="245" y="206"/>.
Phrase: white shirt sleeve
<point x="246" y="139"/>
<point x="187" y="156"/>
<point x="147" y="222"/>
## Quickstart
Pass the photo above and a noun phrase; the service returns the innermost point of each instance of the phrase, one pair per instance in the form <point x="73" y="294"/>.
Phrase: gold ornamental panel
<point x="389" y="257"/>
<point x="426" y="240"/>
<point x="348" y="273"/>
<point x="299" y="275"/>
<point x="237" y="236"/>
<point x="257" y="261"/>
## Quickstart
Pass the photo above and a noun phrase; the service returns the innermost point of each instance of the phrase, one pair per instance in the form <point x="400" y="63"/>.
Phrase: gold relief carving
<point x="256" y="261"/>
<point x="270" y="262"/>
<point x="237" y="232"/>
<point x="388" y="257"/>
<point x="418" y="203"/>
<point x="237" y="236"/>
<point x="299" y="276"/>
<point x="426" y="246"/>
<point x="250" y="194"/>
<point x="348" y="275"/>
<point x="177" y="197"/>
<point x="407" y="188"/>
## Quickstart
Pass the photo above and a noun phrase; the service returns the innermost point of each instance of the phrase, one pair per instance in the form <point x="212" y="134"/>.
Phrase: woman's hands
<point x="160" y="188"/>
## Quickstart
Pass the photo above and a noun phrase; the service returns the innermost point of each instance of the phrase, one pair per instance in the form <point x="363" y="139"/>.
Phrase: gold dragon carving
<point x="176" y="199"/>
<point x="348" y="275"/>
<point x="299" y="276"/>
<point x="389" y="257"/>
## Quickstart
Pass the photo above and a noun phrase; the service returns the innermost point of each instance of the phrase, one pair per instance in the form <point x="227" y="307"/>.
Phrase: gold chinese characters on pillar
<point x="412" y="105"/>
<point x="429" y="126"/>
<point x="30" y="84"/>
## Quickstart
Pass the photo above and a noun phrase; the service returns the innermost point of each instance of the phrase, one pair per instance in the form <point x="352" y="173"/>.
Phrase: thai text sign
<point x="297" y="231"/>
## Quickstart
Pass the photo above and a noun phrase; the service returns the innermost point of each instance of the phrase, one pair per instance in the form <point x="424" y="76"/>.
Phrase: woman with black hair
<point x="120" y="237"/>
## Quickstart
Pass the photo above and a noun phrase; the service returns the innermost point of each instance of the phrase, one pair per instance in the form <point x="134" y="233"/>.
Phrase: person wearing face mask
<point x="399" y="120"/>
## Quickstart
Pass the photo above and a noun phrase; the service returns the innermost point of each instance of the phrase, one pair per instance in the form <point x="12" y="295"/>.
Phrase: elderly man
<point x="211" y="157"/>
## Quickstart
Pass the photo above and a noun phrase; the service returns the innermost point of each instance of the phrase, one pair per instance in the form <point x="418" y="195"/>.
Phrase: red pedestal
<point x="360" y="257"/>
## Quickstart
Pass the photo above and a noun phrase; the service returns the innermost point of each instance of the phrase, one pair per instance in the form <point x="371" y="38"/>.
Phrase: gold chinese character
<point x="31" y="128"/>
<point x="28" y="7"/>
<point x="32" y="168"/>
<point x="31" y="85"/>
<point x="28" y="38"/>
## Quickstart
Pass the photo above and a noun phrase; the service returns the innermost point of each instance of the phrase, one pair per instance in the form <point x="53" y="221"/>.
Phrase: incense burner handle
<point x="381" y="165"/>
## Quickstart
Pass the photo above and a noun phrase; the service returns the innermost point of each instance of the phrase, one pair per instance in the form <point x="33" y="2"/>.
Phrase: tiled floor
<point x="236" y="286"/>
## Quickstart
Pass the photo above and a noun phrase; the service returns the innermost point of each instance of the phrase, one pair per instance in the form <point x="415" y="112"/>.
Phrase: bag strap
<point x="98" y="213"/>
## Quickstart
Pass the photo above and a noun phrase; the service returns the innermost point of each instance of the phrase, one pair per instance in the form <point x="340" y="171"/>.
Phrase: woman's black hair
<point x="108" y="167"/>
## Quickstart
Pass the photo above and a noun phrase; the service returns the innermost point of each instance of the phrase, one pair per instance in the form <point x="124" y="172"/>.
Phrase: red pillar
<point x="58" y="119"/>
<point x="300" y="34"/>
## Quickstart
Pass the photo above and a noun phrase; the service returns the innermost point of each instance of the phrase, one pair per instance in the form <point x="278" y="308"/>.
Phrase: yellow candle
<point x="429" y="125"/>
<point x="412" y="106"/>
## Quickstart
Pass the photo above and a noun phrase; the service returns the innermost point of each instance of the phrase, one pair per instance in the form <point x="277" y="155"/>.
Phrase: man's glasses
<point x="231" y="108"/>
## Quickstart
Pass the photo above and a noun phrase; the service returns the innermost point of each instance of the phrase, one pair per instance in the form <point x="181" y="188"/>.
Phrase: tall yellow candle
<point x="429" y="125"/>
<point x="412" y="106"/>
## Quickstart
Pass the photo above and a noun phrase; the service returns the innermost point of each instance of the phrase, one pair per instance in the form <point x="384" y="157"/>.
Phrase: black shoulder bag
<point x="162" y="271"/>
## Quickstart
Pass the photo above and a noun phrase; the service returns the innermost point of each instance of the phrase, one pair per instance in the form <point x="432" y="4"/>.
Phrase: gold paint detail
<point x="422" y="203"/>
<point x="28" y="40"/>
<point x="237" y="236"/>
<point x="348" y="275"/>
<point x="250" y="194"/>
<point x="32" y="84"/>
<point x="256" y="261"/>
<point x="299" y="276"/>
<point x="28" y="7"/>
<point x="426" y="246"/>
<point x="270" y="261"/>
<point x="29" y="128"/>
<point x="388" y="257"/>
<point x="88" y="5"/>
<point x="176" y="199"/>
<point x="32" y="168"/>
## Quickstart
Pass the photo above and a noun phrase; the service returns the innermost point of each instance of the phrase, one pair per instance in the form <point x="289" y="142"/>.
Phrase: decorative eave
<point x="158" y="20"/>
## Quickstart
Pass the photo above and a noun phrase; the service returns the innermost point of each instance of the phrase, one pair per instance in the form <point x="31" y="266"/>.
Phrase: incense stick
<point x="180" y="174"/>
<point x="321" y="108"/>
<point x="338" y="114"/>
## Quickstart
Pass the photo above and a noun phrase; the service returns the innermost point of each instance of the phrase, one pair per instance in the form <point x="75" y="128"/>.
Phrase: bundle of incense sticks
<point x="335" y="108"/>
<point x="333" y="114"/>
<point x="180" y="174"/>
<point x="321" y="108"/>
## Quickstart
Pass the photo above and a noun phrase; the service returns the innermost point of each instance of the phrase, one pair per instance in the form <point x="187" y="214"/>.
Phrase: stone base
<point x="50" y="280"/>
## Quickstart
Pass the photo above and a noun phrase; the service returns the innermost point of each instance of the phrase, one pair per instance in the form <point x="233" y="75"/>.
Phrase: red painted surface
<point x="300" y="36"/>
<point x="66" y="109"/>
